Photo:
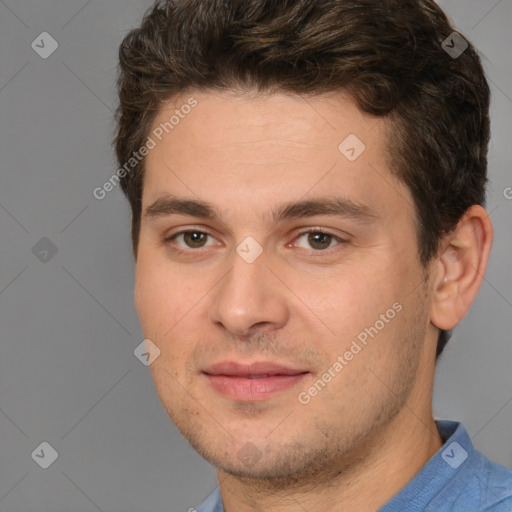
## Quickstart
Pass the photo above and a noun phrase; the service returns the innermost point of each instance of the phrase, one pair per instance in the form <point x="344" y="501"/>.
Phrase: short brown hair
<point x="387" y="54"/>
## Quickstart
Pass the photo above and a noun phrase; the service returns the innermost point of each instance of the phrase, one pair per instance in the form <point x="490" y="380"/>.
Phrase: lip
<point x="252" y="382"/>
<point x="256" y="368"/>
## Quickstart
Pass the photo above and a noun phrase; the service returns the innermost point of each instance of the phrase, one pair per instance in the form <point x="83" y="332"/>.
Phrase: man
<point x="307" y="182"/>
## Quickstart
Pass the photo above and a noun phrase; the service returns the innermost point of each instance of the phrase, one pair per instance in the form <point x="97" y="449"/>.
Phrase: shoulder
<point x="213" y="503"/>
<point x="480" y="486"/>
<point x="495" y="485"/>
<point x="458" y="478"/>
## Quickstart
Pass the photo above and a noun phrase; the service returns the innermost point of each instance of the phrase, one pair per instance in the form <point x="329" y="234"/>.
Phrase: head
<point x="244" y="107"/>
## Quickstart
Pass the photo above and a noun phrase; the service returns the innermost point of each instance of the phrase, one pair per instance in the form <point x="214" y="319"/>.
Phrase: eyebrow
<point x="336" y="206"/>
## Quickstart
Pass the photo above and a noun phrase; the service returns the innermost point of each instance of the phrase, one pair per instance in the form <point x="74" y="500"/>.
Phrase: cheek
<point x="144" y="300"/>
<point x="138" y="298"/>
<point x="167" y="306"/>
<point x="152" y="293"/>
<point x="348" y="299"/>
<point x="352" y="305"/>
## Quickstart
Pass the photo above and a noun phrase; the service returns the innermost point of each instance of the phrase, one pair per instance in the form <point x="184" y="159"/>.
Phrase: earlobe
<point x="462" y="262"/>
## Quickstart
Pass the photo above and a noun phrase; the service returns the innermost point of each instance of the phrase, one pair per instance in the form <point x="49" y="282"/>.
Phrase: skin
<point x="366" y="434"/>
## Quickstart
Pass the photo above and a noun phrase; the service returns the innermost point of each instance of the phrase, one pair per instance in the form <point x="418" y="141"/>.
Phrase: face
<point x="278" y="275"/>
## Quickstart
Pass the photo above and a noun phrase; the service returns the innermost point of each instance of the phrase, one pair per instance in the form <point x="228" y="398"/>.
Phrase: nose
<point x="250" y="298"/>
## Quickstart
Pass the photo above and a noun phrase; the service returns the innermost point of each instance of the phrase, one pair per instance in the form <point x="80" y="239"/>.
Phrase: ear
<point x="462" y="262"/>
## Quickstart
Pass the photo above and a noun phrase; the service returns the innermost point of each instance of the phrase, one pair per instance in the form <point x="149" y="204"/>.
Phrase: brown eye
<point x="194" y="239"/>
<point x="188" y="240"/>
<point x="318" y="240"/>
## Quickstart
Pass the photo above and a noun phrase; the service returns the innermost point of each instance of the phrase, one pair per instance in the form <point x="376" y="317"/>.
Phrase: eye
<point x="316" y="240"/>
<point x="192" y="239"/>
<point x="319" y="240"/>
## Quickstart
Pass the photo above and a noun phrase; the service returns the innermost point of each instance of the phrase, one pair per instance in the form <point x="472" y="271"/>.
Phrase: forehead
<point x="236" y="117"/>
<point x="239" y="150"/>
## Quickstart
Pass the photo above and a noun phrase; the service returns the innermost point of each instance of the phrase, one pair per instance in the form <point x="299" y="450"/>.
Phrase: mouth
<point x="252" y="382"/>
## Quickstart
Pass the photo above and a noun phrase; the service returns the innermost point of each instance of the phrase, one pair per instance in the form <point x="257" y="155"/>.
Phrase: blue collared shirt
<point x="457" y="478"/>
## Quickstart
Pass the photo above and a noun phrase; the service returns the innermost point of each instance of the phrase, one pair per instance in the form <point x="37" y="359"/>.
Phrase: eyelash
<point x="168" y="240"/>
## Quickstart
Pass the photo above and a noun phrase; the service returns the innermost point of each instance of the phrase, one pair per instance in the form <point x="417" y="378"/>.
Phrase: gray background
<point x="68" y="375"/>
